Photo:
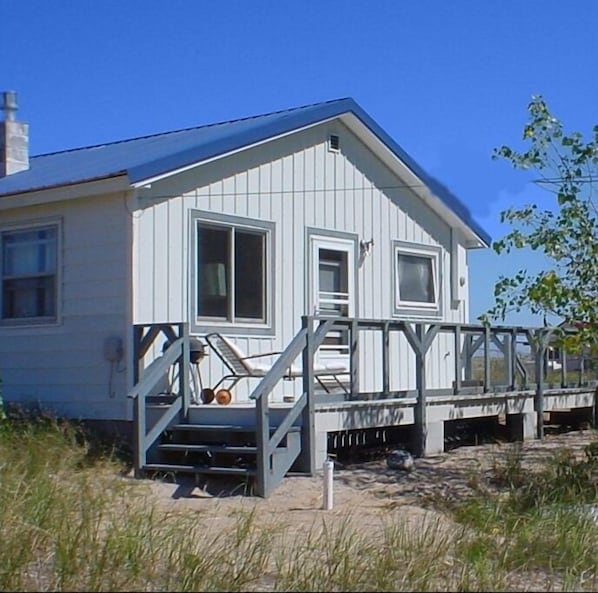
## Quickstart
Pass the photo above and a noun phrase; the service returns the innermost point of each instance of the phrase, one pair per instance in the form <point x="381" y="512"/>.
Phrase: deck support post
<point x="434" y="438"/>
<point x="420" y="341"/>
<point x="522" y="427"/>
<point x="539" y="341"/>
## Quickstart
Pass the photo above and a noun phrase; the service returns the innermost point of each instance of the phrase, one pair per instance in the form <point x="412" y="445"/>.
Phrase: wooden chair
<point x="241" y="366"/>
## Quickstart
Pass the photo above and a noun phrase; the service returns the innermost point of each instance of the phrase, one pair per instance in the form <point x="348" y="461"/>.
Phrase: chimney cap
<point x="9" y="105"/>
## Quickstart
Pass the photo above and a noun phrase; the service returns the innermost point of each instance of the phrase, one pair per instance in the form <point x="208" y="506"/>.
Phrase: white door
<point x="333" y="290"/>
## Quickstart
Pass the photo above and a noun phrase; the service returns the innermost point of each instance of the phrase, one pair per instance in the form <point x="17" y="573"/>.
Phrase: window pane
<point x="333" y="282"/>
<point x="26" y="253"/>
<point x="213" y="272"/>
<point x="29" y="297"/>
<point x="416" y="278"/>
<point x="249" y="275"/>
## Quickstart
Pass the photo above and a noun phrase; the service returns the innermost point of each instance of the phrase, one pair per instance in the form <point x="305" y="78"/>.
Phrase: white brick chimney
<point x="14" y="138"/>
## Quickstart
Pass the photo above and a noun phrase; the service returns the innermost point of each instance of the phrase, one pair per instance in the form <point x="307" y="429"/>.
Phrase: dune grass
<point x="71" y="521"/>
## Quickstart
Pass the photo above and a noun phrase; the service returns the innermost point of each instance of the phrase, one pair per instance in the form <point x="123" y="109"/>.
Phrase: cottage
<point x="254" y="230"/>
<point x="239" y="227"/>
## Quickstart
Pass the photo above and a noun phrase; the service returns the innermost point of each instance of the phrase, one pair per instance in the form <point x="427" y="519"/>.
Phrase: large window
<point x="29" y="273"/>
<point x="232" y="270"/>
<point x="417" y="273"/>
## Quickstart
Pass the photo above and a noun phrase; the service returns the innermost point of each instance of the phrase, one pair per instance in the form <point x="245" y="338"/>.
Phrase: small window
<point x="416" y="278"/>
<point x="29" y="273"/>
<point x="232" y="279"/>
<point x="334" y="143"/>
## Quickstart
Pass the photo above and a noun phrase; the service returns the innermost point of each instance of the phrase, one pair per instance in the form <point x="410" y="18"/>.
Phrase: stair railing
<point x="177" y="352"/>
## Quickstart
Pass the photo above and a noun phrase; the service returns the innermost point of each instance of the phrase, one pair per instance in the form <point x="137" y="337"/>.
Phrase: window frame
<point x="24" y="227"/>
<point x="417" y="308"/>
<point x="230" y="324"/>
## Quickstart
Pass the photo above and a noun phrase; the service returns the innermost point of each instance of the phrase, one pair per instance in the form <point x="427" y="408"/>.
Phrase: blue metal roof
<point x="151" y="156"/>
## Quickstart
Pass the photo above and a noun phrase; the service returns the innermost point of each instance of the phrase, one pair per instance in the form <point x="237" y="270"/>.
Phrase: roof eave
<point x="117" y="182"/>
<point x="426" y="187"/>
<point x="292" y="122"/>
<point x="446" y="204"/>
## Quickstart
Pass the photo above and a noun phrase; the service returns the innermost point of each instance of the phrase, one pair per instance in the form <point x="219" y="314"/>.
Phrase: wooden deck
<point x="264" y="441"/>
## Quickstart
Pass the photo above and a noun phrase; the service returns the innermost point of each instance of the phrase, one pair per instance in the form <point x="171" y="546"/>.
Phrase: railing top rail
<point x="372" y="323"/>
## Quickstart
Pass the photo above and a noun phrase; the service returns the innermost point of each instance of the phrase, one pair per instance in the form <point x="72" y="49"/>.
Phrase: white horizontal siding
<point x="62" y="366"/>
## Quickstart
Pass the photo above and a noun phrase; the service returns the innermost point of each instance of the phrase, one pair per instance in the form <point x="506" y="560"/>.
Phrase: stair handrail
<point x="306" y="338"/>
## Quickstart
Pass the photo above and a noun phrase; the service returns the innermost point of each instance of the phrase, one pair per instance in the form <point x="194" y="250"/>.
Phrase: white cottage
<point x="239" y="227"/>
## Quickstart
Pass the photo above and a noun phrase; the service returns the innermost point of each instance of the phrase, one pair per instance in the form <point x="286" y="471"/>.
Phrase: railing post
<point x="385" y="358"/>
<point x="564" y="378"/>
<point x="137" y="335"/>
<point x="262" y="439"/>
<point x="487" y="369"/>
<point x="513" y="346"/>
<point x="458" y="361"/>
<point x="540" y="352"/>
<point x="354" y="361"/>
<point x="467" y="357"/>
<point x="508" y="358"/>
<point x="184" y="368"/>
<point x="307" y="458"/>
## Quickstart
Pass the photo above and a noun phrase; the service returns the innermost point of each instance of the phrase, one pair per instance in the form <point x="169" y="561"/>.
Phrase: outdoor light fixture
<point x="365" y="247"/>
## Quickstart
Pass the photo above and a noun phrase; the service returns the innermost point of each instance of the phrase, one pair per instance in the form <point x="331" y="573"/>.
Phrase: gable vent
<point x="334" y="143"/>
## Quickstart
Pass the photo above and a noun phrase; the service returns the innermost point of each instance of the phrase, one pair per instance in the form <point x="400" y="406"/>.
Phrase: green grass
<point x="70" y="521"/>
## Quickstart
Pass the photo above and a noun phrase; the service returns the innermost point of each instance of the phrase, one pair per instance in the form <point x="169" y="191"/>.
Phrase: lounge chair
<point x="242" y="366"/>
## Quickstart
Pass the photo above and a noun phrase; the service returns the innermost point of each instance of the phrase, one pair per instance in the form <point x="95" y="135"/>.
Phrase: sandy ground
<point x="367" y="492"/>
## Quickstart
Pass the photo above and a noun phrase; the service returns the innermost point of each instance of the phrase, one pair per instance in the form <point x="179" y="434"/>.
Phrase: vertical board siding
<point x="296" y="182"/>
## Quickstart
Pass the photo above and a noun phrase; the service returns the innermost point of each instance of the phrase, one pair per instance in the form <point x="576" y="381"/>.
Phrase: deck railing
<point x="471" y="371"/>
<point x="467" y="340"/>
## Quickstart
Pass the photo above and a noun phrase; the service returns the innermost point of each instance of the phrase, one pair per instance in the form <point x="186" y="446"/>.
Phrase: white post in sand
<point x="328" y="470"/>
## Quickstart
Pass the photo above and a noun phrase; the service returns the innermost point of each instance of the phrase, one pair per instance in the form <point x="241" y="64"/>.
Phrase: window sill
<point x="29" y="323"/>
<point x="417" y="312"/>
<point x="249" y="329"/>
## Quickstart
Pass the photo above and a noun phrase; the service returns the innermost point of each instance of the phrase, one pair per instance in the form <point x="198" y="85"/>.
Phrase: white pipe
<point x="328" y="493"/>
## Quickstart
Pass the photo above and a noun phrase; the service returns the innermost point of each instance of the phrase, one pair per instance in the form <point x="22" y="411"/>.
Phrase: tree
<point x="566" y="230"/>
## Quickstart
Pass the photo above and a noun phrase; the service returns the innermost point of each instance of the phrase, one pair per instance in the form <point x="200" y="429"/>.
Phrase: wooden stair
<point x="217" y="450"/>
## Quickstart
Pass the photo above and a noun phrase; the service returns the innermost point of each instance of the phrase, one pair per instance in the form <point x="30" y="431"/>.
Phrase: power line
<point x="216" y="194"/>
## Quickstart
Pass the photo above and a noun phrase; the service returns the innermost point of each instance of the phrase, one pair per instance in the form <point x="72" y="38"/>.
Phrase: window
<point x="29" y="273"/>
<point x="334" y="143"/>
<point x="416" y="278"/>
<point x="232" y="281"/>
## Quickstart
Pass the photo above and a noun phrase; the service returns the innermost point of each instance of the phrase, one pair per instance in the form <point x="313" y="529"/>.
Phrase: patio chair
<point x="242" y="366"/>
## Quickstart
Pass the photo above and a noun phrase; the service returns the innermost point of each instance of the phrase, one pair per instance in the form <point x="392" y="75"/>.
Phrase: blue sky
<point x="450" y="81"/>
